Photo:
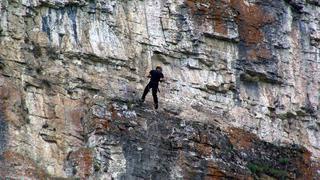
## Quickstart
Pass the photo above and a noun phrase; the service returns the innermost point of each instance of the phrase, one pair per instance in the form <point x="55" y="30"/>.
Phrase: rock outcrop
<point x="240" y="100"/>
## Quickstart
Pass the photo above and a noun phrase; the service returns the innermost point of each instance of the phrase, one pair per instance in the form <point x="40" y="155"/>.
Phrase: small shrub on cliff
<point x="259" y="169"/>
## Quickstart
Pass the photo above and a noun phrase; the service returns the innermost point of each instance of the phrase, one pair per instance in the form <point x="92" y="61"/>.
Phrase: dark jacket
<point x="156" y="76"/>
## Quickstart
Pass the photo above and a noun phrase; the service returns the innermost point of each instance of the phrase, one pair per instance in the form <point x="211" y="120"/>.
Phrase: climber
<point x="155" y="76"/>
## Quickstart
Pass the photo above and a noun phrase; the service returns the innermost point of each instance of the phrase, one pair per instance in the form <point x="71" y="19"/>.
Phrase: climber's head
<point x="159" y="68"/>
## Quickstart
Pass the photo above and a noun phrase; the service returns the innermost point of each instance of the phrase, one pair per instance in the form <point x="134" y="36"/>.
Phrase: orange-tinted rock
<point x="259" y="52"/>
<point x="315" y="168"/>
<point x="220" y="27"/>
<point x="82" y="162"/>
<point x="203" y="149"/>
<point x="10" y="100"/>
<point x="114" y="112"/>
<point x="215" y="12"/>
<point x="101" y="125"/>
<point x="241" y="139"/>
<point x="55" y="53"/>
<point x="73" y="111"/>
<point x="304" y="165"/>
<point x="215" y="172"/>
<point x="250" y="19"/>
<point x="14" y="165"/>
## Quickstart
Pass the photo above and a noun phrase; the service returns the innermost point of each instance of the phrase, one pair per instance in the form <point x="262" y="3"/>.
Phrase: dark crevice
<point x="3" y="131"/>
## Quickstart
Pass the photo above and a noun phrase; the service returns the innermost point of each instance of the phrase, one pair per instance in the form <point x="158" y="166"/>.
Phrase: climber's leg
<point x="146" y="90"/>
<point x="155" y="98"/>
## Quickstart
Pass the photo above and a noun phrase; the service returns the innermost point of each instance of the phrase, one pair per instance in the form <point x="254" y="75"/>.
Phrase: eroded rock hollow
<point x="240" y="100"/>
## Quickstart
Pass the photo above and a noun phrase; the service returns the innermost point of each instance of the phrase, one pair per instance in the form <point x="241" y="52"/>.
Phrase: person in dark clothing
<point x="155" y="76"/>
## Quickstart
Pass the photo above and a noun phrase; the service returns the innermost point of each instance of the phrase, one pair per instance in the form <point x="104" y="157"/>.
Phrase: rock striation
<point x="240" y="100"/>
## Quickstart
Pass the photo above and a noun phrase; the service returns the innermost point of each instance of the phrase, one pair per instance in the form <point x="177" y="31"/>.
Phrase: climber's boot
<point x="141" y="100"/>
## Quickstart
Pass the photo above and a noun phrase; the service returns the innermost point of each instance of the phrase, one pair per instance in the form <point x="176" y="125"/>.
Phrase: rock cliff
<point x="240" y="100"/>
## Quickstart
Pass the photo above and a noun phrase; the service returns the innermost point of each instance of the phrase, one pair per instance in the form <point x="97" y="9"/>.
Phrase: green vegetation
<point x="278" y="173"/>
<point x="259" y="169"/>
<point x="284" y="160"/>
<point x="229" y="149"/>
<point x="130" y="104"/>
<point x="1" y="31"/>
<point x="256" y="169"/>
<point x="96" y="166"/>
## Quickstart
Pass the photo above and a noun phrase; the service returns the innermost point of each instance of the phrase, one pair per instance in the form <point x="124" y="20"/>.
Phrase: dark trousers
<point x="154" y="88"/>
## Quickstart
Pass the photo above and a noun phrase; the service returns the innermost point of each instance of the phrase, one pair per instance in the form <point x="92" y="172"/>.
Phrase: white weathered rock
<point x="64" y="59"/>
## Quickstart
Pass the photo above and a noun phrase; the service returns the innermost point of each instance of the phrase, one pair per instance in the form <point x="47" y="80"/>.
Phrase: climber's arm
<point x="149" y="75"/>
<point x="162" y="78"/>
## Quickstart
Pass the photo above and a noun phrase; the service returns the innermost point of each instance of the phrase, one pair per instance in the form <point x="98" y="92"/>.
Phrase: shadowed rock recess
<point x="240" y="100"/>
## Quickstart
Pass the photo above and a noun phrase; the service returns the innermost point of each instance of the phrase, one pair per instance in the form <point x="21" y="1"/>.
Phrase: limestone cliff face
<point x="240" y="100"/>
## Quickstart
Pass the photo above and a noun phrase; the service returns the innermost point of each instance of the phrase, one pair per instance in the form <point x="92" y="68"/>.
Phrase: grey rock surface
<point x="71" y="72"/>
